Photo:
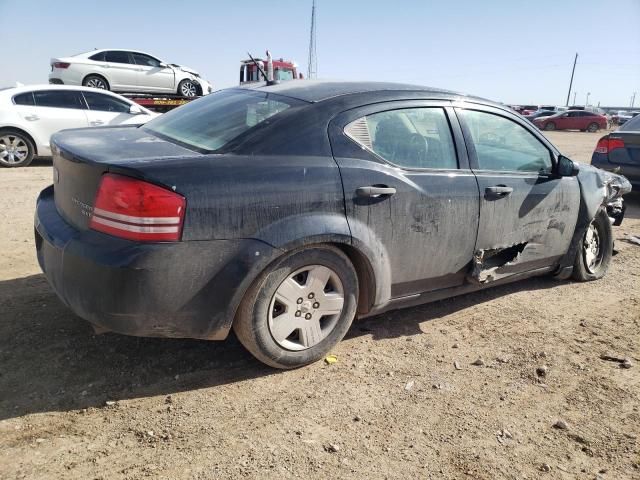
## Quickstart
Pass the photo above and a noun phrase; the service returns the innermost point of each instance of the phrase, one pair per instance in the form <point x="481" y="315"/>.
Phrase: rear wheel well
<point x="22" y="132"/>
<point x="97" y="75"/>
<point x="366" y="277"/>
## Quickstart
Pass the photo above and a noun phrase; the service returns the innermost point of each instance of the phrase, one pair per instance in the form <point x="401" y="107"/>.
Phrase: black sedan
<point x="285" y="211"/>
<point x="619" y="151"/>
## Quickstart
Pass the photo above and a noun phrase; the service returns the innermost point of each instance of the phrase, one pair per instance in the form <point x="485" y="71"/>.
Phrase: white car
<point x="127" y="71"/>
<point x="30" y="115"/>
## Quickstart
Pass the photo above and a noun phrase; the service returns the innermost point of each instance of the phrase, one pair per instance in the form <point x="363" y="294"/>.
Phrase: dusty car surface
<point x="285" y="211"/>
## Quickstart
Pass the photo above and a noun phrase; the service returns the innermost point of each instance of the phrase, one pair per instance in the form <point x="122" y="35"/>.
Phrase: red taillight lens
<point x="129" y="208"/>
<point x="61" y="64"/>
<point x="607" y="145"/>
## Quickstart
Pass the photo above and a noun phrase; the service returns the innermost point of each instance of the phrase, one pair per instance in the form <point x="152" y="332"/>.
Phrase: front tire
<point x="187" y="88"/>
<point x="593" y="127"/>
<point x="16" y="149"/>
<point x="594" y="255"/>
<point x="95" y="81"/>
<point x="299" y="308"/>
<point x="550" y="126"/>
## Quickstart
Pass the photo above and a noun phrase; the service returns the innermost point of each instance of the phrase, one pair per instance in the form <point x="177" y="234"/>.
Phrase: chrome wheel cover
<point x="306" y="307"/>
<point x="13" y="149"/>
<point x="591" y="249"/>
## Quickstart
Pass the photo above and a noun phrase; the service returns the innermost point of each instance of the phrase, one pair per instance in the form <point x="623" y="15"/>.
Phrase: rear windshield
<point x="210" y="123"/>
<point x="632" y="125"/>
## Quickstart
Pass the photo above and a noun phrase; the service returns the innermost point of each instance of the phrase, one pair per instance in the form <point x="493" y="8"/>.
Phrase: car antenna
<point x="270" y="81"/>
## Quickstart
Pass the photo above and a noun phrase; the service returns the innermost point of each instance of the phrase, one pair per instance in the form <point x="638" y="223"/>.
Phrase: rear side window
<point x="24" y="99"/>
<point x="502" y="144"/>
<point x="59" y="99"/>
<point x="117" y="57"/>
<point x="409" y="138"/>
<point x="213" y="121"/>
<point x="105" y="103"/>
<point x="98" y="57"/>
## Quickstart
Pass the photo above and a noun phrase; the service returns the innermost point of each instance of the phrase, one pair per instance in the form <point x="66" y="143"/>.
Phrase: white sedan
<point x="30" y="115"/>
<point x="127" y="71"/>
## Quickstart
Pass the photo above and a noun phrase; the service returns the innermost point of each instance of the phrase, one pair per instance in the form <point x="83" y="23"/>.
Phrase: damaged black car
<point x="286" y="211"/>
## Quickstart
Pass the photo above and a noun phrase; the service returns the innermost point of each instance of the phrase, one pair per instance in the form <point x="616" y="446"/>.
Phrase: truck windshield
<point x="213" y="121"/>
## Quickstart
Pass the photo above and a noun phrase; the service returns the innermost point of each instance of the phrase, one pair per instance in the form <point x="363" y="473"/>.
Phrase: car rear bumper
<point x="182" y="289"/>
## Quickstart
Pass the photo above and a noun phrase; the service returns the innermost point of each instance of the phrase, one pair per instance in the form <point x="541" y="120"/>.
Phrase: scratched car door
<point x="409" y="191"/>
<point x="527" y="213"/>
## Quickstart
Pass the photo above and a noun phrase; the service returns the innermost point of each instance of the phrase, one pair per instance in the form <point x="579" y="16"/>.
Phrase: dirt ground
<point x="83" y="406"/>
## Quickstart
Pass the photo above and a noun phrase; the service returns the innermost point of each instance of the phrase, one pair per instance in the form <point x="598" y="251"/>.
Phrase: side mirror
<point x="163" y="65"/>
<point x="566" y="167"/>
<point x="136" y="110"/>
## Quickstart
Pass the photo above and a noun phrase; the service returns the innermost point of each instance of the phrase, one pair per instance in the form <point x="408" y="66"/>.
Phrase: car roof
<point x="33" y="88"/>
<point x="314" y="91"/>
<point x="98" y="50"/>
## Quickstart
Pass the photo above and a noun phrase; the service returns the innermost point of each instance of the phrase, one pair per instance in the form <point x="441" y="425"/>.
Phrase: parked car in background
<point x="620" y="117"/>
<point x="619" y="151"/>
<point x="127" y="71"/>
<point x="539" y="114"/>
<point x="285" y="211"/>
<point x="572" y="120"/>
<point x="30" y="115"/>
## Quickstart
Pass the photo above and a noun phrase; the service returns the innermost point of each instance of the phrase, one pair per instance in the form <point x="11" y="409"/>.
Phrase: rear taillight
<point x="61" y="65"/>
<point x="607" y="145"/>
<point x="129" y="208"/>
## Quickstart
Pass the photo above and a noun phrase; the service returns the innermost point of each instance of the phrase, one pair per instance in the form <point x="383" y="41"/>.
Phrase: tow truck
<point x="158" y="103"/>
<point x="255" y="70"/>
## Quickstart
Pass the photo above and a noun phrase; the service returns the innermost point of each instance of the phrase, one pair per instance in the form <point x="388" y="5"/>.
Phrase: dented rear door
<point x="527" y="215"/>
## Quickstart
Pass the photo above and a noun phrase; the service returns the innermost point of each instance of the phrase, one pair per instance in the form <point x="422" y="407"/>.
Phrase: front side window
<point x="502" y="144"/>
<point x="145" y="60"/>
<point x="212" y="122"/>
<point x="409" y="138"/>
<point x="59" y="99"/>
<point x="117" y="57"/>
<point x="105" y="103"/>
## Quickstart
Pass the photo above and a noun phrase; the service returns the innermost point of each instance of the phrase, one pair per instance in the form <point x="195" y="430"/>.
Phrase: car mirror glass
<point x="566" y="167"/>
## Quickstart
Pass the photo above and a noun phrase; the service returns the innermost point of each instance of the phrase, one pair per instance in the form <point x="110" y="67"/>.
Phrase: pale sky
<point x="508" y="51"/>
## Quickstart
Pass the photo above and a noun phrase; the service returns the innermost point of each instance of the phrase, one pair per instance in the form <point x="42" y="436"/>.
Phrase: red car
<point x="572" y="120"/>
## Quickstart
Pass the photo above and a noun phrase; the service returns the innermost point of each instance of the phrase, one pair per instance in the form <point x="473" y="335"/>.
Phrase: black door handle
<point x="375" y="191"/>
<point x="498" y="191"/>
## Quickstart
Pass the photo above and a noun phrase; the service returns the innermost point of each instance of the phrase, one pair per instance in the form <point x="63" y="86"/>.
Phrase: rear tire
<point x="596" y="248"/>
<point x="293" y="314"/>
<point x="95" y="81"/>
<point x="16" y="149"/>
<point x="550" y="126"/>
<point x="593" y="127"/>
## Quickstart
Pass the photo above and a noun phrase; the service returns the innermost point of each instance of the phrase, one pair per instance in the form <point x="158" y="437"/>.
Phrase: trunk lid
<point x="82" y="156"/>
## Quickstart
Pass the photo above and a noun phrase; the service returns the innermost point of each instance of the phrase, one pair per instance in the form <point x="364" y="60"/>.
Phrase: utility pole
<point x="575" y="60"/>
<point x="574" y="98"/>
<point x="586" y="103"/>
<point x="312" y="70"/>
<point x="633" y="99"/>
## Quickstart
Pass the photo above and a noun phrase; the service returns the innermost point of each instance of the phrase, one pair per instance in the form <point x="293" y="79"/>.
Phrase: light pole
<point x="574" y="97"/>
<point x="586" y="104"/>
<point x="633" y="99"/>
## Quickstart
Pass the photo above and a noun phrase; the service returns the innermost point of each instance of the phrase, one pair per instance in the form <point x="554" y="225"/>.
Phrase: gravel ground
<point x="405" y="399"/>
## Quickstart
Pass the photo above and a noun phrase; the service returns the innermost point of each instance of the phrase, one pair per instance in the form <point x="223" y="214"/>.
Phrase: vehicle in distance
<point x="539" y="113"/>
<point x="572" y="120"/>
<point x="285" y="211"/>
<point x="619" y="151"/>
<point x="127" y="71"/>
<point x="30" y="115"/>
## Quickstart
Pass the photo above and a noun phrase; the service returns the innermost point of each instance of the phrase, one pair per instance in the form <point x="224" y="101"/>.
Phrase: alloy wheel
<point x="306" y="307"/>
<point x="95" y="82"/>
<point x="188" y="89"/>
<point x="591" y="249"/>
<point x="13" y="149"/>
